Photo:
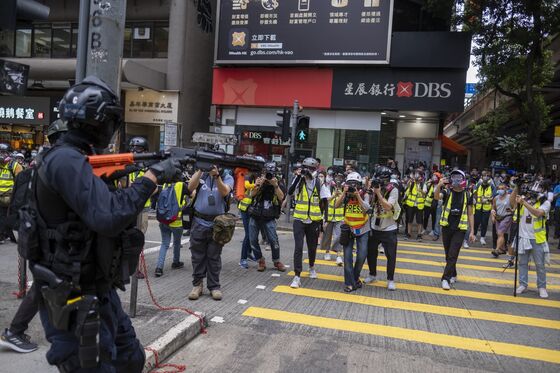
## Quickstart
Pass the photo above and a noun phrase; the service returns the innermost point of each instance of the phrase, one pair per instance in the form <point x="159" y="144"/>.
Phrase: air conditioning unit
<point x="142" y="33"/>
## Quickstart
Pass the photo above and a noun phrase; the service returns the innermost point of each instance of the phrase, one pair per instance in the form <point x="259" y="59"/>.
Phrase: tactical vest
<point x="487" y="193"/>
<point x="354" y="216"/>
<point x="463" y="221"/>
<point x="308" y="207"/>
<point x="414" y="195"/>
<point x="539" y="224"/>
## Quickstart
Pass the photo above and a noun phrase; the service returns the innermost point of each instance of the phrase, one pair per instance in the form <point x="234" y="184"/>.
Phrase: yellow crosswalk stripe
<point x="453" y="292"/>
<point x="412" y="335"/>
<point x="463" y="250"/>
<point x="413" y="272"/>
<point x="421" y="307"/>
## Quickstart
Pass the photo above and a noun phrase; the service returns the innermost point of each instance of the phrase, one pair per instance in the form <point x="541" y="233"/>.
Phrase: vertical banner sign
<point x="105" y="41"/>
<point x="170" y="136"/>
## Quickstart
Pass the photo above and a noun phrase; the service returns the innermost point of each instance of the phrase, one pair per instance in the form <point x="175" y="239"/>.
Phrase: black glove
<point x="167" y="171"/>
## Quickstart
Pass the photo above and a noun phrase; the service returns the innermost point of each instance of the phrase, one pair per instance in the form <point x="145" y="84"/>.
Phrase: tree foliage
<point x="513" y="150"/>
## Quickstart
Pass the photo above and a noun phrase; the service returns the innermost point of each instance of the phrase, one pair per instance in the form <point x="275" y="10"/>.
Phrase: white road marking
<point x="261" y="287"/>
<point x="155" y="249"/>
<point x="242" y="301"/>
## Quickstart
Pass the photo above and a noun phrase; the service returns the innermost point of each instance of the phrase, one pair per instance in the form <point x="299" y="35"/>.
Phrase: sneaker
<point x="482" y="241"/>
<point x="521" y="289"/>
<point x="358" y="285"/>
<point x="244" y="264"/>
<point x="279" y="266"/>
<point x="327" y="256"/>
<point x="158" y="272"/>
<point x="312" y="272"/>
<point x="494" y="253"/>
<point x="391" y="285"/>
<point x="436" y="237"/>
<point x="406" y="237"/>
<point x="196" y="292"/>
<point x="445" y="285"/>
<point x="509" y="264"/>
<point x="177" y="265"/>
<point x="216" y="294"/>
<point x="187" y="233"/>
<point x="369" y="279"/>
<point x="261" y="265"/>
<point x="296" y="282"/>
<point x="543" y="293"/>
<point x="18" y="342"/>
<point x="466" y="244"/>
<point x="419" y="237"/>
<point x="453" y="280"/>
<point x="339" y="261"/>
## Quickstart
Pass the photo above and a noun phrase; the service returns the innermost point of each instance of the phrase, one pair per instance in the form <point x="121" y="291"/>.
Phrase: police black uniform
<point x="84" y="220"/>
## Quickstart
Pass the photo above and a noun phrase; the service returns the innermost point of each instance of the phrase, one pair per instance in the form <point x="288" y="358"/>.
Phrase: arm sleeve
<point x="294" y="185"/>
<point x="105" y="212"/>
<point x="393" y="197"/>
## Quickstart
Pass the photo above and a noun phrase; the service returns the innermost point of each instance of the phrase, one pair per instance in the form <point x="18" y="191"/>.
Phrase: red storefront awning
<point x="452" y="146"/>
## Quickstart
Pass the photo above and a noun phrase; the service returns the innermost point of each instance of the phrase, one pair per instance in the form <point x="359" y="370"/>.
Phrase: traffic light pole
<point x="293" y="125"/>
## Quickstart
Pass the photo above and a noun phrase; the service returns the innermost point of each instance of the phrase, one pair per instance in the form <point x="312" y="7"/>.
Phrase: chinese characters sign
<point x="399" y="89"/>
<point x="152" y="107"/>
<point x="24" y="110"/>
<point x="304" y="31"/>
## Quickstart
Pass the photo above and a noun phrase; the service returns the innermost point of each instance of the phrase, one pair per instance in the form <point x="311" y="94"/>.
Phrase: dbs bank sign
<point x="398" y="89"/>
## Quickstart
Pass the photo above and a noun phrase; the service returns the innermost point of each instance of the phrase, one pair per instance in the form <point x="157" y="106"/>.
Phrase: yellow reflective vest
<point x="539" y="224"/>
<point x="430" y="196"/>
<point x="354" y="214"/>
<point x="7" y="177"/>
<point x="464" y="221"/>
<point x="133" y="176"/>
<point x="181" y="201"/>
<point x="484" y="193"/>
<point x="308" y="207"/>
<point x="335" y="214"/>
<point x="244" y="204"/>
<point x="414" y="196"/>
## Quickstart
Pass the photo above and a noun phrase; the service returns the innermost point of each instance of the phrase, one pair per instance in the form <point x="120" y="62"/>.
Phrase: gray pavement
<point x="321" y="329"/>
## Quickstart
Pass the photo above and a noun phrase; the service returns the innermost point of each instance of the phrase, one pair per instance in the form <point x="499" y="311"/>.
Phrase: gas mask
<point x="457" y="181"/>
<point x="5" y="157"/>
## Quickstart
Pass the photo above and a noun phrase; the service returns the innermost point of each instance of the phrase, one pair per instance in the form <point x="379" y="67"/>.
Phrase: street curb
<point x="175" y="338"/>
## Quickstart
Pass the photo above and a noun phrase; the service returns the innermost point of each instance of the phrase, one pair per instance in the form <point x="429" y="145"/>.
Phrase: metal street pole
<point x="83" y="27"/>
<point x="293" y="125"/>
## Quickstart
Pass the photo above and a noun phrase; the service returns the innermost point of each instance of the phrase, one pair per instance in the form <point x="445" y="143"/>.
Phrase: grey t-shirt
<point x="503" y="207"/>
<point x="209" y="187"/>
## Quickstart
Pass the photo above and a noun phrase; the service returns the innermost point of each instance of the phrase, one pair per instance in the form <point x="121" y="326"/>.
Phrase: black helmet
<point x="94" y="108"/>
<point x="138" y="141"/>
<point x="383" y="172"/>
<point x="58" y="127"/>
<point x="270" y="167"/>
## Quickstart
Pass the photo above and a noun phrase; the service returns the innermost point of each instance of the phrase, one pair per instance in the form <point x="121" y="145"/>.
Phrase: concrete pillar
<point x="176" y="44"/>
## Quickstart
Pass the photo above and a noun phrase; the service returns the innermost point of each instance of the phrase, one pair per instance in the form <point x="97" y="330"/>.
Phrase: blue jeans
<point x="117" y="340"/>
<point x="269" y="226"/>
<point x="246" y="246"/>
<point x="437" y="229"/>
<point x="538" y="257"/>
<point x="352" y="272"/>
<point x="166" y="232"/>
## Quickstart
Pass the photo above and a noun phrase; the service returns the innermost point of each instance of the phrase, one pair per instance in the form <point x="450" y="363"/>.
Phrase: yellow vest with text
<point x="354" y="216"/>
<point x="178" y="193"/>
<point x="463" y="222"/>
<point x="539" y="224"/>
<point x="308" y="207"/>
<point x="480" y="193"/>
<point x="335" y="214"/>
<point x="7" y="177"/>
<point x="414" y="195"/>
<point x="133" y="176"/>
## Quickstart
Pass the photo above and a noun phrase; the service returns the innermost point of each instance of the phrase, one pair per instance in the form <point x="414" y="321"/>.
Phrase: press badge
<point x="211" y="200"/>
<point x="528" y="219"/>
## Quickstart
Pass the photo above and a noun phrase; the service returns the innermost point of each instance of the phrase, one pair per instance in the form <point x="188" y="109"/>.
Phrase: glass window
<point x="161" y="38"/>
<point x="23" y="43"/>
<point x="74" y="51"/>
<point x="42" y="42"/>
<point x="142" y="41"/>
<point x="127" y="50"/>
<point x="6" y="43"/>
<point x="61" y="41"/>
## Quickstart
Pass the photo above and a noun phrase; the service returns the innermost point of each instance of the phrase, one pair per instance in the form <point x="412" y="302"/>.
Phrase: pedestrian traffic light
<point x="302" y="129"/>
<point x="285" y="114"/>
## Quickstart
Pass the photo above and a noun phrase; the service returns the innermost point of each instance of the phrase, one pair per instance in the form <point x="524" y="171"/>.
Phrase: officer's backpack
<point x="20" y="195"/>
<point x="167" y="206"/>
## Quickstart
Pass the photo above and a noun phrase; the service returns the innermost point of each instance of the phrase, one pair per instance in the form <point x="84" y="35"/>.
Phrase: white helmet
<point x="354" y="176"/>
<point x="19" y="155"/>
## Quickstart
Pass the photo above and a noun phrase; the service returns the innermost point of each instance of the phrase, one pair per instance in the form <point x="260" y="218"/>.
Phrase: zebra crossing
<point x="478" y="316"/>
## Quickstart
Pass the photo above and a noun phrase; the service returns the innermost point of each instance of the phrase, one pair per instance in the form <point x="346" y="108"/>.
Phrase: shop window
<point x="23" y="42"/>
<point x="161" y="38"/>
<point x="142" y="41"/>
<point x="42" y="42"/>
<point x="61" y="41"/>
<point x="127" y="50"/>
<point x="6" y="43"/>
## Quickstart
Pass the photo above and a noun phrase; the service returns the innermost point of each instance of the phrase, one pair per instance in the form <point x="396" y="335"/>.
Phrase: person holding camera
<point x="483" y="195"/>
<point x="415" y="195"/>
<point x="334" y="216"/>
<point x="384" y="226"/>
<point x="456" y="218"/>
<point x="267" y="196"/>
<point x="308" y="216"/>
<point x="534" y="208"/>
<point x="355" y="229"/>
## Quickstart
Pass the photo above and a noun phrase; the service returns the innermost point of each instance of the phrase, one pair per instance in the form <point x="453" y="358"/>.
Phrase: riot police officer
<point x="86" y="243"/>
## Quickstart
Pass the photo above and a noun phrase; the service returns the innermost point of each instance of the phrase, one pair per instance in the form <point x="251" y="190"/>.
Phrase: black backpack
<point x="20" y="196"/>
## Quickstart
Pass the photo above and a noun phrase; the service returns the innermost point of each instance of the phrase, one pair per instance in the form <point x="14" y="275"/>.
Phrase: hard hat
<point x="354" y="176"/>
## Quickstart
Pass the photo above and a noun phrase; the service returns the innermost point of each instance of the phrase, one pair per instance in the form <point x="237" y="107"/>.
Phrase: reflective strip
<point x="463" y="222"/>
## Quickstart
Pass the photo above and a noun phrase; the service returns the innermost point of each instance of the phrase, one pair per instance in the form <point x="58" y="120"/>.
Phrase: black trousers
<point x="430" y="211"/>
<point x="481" y="219"/>
<point x="389" y="242"/>
<point x="452" y="243"/>
<point x="26" y="311"/>
<point x="311" y="234"/>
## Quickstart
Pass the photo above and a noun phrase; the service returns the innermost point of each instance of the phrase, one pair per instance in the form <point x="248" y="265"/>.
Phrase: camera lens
<point x="268" y="176"/>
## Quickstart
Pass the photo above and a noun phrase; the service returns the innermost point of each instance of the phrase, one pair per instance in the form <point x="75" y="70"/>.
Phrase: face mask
<point x="322" y="178"/>
<point x="503" y="176"/>
<point x="314" y="174"/>
<point x="435" y="179"/>
<point x="501" y="192"/>
<point x="329" y="179"/>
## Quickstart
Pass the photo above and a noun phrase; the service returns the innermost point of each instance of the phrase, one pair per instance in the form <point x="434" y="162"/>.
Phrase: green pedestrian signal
<point x="302" y="136"/>
<point x="302" y="129"/>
